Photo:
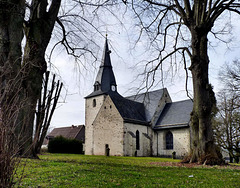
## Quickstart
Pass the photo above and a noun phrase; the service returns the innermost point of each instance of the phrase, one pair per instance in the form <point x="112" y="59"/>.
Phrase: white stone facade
<point x="108" y="130"/>
<point x="147" y="124"/>
<point x="91" y="111"/>
<point x="106" y="127"/>
<point x="130" y="140"/>
<point x="181" y="142"/>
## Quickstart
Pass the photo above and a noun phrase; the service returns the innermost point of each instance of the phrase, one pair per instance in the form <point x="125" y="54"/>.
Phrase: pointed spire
<point x="106" y="61"/>
<point x="105" y="81"/>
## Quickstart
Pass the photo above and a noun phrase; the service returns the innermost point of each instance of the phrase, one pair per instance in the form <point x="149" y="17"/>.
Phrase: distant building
<point x="72" y="132"/>
<point x="147" y="124"/>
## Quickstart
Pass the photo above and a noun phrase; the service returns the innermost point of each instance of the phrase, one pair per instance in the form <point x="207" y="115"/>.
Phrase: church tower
<point x="104" y="84"/>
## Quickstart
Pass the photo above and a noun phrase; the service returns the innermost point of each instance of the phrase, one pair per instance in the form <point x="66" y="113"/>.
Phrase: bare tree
<point x="36" y="22"/>
<point x="226" y="124"/>
<point x="11" y="19"/>
<point x="25" y="69"/>
<point x="37" y="29"/>
<point x="26" y="29"/>
<point x="46" y="106"/>
<point x="10" y="132"/>
<point x="230" y="76"/>
<point x="179" y="30"/>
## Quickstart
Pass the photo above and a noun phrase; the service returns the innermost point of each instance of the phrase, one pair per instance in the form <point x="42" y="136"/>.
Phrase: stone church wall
<point x="108" y="130"/>
<point x="130" y="140"/>
<point x="181" y="143"/>
<point x="91" y="111"/>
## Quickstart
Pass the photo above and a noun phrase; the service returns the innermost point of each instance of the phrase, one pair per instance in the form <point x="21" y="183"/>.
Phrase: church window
<point x="94" y="103"/>
<point x="137" y="140"/>
<point x="169" y="140"/>
<point x="96" y="86"/>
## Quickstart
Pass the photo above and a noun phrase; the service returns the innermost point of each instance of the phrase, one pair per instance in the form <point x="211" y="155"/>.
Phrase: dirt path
<point x="194" y="165"/>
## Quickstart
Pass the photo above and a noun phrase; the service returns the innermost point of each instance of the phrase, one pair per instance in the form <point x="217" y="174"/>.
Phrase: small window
<point x="169" y="140"/>
<point x="137" y="140"/>
<point x="96" y="86"/>
<point x="94" y="103"/>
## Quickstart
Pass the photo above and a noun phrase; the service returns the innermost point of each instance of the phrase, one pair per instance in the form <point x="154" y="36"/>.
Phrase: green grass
<point x="65" y="170"/>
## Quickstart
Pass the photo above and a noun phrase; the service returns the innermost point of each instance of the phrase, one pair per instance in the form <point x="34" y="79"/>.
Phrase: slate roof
<point x="176" y="114"/>
<point x="131" y="111"/>
<point x="140" y="108"/>
<point x="96" y="93"/>
<point x="105" y="77"/>
<point x="72" y="132"/>
<point x="150" y="101"/>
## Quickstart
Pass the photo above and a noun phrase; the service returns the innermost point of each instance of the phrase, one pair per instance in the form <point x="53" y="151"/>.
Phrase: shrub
<point x="64" y="145"/>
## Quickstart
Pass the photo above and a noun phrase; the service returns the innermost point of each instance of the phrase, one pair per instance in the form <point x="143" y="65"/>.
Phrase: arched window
<point x="137" y="140"/>
<point x="94" y="103"/>
<point x="169" y="140"/>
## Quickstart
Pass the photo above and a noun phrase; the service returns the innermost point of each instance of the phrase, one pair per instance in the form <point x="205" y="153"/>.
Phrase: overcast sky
<point x="78" y="84"/>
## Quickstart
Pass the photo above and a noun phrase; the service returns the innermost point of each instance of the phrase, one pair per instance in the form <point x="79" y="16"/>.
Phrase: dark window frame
<point x="137" y="140"/>
<point x="169" y="140"/>
<point x="94" y="103"/>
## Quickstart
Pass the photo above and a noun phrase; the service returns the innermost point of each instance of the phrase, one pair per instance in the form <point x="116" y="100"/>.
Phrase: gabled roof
<point x="176" y="114"/>
<point x="150" y="101"/>
<point x="131" y="111"/>
<point x="67" y="132"/>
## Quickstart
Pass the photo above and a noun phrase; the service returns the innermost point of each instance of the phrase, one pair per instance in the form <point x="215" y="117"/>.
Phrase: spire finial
<point x="106" y="35"/>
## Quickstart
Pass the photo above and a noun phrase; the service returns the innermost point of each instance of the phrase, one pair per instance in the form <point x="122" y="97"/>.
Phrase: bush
<point x="64" y="145"/>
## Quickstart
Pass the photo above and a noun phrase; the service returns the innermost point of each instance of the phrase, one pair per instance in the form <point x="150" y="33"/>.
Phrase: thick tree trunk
<point x="11" y="21"/>
<point x="38" y="34"/>
<point x="203" y="149"/>
<point x="32" y="91"/>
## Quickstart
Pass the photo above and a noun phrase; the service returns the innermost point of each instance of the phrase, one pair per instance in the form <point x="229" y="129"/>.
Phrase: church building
<point x="147" y="124"/>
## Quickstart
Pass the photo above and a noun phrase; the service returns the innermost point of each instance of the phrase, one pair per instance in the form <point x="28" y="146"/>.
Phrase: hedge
<point x="64" y="145"/>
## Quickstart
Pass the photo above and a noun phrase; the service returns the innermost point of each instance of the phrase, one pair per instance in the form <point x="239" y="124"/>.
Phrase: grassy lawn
<point x="65" y="170"/>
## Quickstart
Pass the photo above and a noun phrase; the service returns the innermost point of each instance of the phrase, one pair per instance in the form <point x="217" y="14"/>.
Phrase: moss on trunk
<point x="203" y="149"/>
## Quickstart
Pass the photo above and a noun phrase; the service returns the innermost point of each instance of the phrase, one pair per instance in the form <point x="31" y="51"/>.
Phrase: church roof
<point x="176" y="114"/>
<point x="131" y="111"/>
<point x="150" y="101"/>
<point x="105" y="77"/>
<point x="141" y="108"/>
<point x="96" y="93"/>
